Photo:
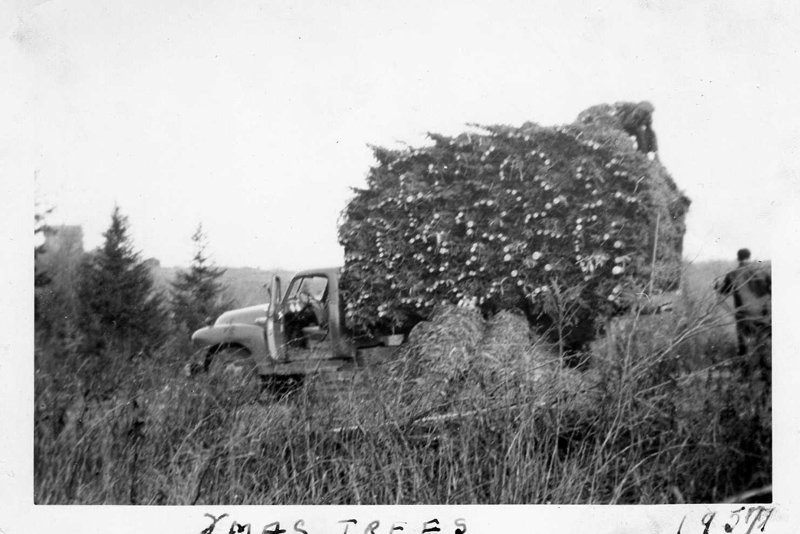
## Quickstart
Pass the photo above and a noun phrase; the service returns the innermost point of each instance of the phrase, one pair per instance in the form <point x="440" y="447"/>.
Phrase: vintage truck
<point x="296" y="333"/>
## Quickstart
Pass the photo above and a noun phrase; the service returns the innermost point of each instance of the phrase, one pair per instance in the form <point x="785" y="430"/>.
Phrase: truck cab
<point x="299" y="331"/>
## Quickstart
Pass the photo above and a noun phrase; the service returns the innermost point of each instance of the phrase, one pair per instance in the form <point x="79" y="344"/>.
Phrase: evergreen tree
<point x="41" y="278"/>
<point x="116" y="297"/>
<point x="40" y="228"/>
<point x="197" y="293"/>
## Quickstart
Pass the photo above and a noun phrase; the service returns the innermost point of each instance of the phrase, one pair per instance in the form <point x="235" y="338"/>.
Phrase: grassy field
<point x="473" y="410"/>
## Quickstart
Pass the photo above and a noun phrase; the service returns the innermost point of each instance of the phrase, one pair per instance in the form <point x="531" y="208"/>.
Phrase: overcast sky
<point x="254" y="117"/>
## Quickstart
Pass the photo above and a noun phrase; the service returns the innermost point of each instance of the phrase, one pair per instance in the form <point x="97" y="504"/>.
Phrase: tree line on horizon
<point x="108" y="297"/>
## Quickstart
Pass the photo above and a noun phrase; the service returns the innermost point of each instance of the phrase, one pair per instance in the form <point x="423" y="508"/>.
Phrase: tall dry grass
<point x="471" y="411"/>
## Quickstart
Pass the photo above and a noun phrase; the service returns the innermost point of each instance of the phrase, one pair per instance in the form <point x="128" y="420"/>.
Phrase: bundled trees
<point x="565" y="223"/>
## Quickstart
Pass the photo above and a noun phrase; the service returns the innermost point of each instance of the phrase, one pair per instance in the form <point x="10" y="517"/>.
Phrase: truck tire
<point x="235" y="370"/>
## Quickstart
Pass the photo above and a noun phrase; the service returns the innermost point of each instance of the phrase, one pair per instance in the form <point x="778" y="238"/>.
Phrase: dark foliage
<point x="116" y="299"/>
<point x="197" y="294"/>
<point x="565" y="223"/>
<point x="40" y="277"/>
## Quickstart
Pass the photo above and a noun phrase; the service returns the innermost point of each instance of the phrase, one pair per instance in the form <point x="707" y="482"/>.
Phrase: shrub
<point x="542" y="219"/>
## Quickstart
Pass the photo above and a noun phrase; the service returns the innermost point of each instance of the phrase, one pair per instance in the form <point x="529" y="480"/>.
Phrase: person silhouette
<point x="751" y="286"/>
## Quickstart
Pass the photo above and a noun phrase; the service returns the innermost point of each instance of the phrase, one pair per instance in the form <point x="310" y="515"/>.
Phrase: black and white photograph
<point x="394" y="266"/>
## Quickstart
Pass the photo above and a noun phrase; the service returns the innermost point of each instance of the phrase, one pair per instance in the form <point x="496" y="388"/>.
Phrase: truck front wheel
<point x="235" y="370"/>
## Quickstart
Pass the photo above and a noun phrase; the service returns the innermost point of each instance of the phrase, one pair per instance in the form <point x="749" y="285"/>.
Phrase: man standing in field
<point x="751" y="287"/>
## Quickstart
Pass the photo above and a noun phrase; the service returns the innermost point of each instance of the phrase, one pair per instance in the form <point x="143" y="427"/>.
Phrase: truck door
<point x="276" y="339"/>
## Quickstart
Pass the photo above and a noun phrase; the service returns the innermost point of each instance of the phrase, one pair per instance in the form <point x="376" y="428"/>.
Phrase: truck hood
<point x="243" y="315"/>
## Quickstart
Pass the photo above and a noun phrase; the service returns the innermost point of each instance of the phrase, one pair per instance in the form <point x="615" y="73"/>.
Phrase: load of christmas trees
<point x="567" y="224"/>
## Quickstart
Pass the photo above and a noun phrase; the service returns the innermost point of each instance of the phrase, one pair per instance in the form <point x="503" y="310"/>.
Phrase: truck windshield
<point x="316" y="286"/>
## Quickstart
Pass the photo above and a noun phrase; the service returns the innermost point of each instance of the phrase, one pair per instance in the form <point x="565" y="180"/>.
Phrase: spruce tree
<point x="197" y="293"/>
<point x="117" y="302"/>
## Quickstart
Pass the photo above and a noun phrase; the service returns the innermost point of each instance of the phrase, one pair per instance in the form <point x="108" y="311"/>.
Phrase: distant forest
<point x="245" y="286"/>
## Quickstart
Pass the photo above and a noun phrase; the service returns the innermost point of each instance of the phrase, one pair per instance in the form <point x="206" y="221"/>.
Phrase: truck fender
<point x="249" y="336"/>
